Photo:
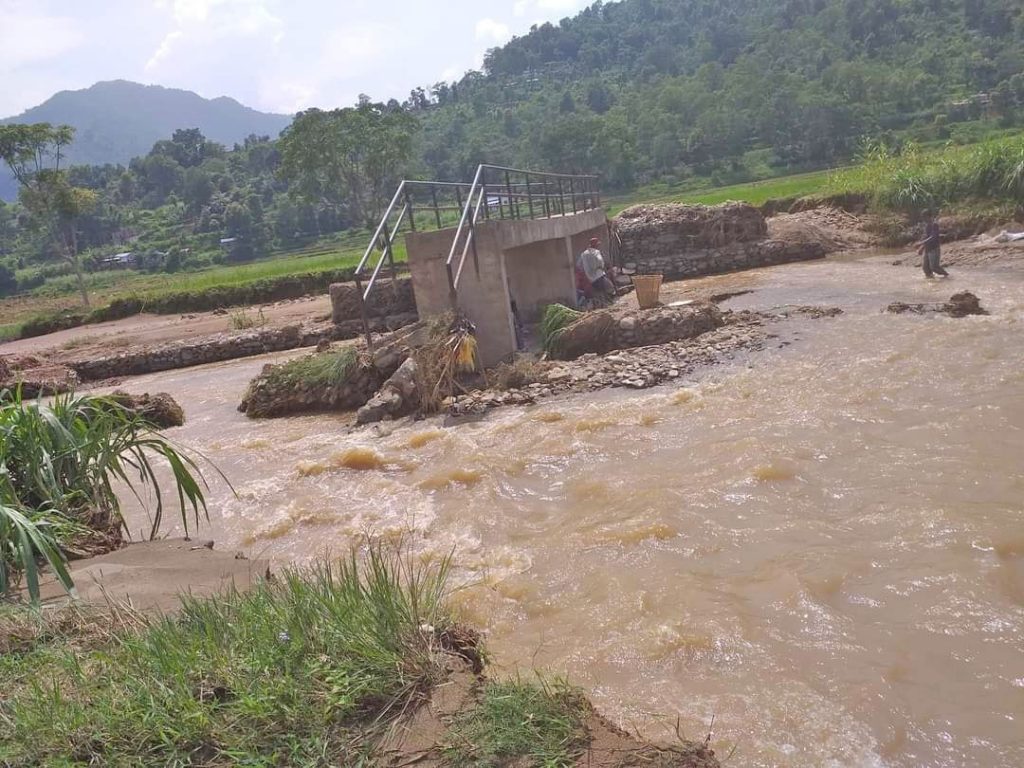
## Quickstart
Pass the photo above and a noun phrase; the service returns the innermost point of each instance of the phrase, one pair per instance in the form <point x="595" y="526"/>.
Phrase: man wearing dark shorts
<point x="931" y="247"/>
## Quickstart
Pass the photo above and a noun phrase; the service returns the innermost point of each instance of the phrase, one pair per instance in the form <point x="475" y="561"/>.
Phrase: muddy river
<point x="821" y="546"/>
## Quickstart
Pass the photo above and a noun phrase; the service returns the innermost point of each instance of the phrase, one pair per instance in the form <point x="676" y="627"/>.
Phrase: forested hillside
<point x="639" y="91"/>
<point x="643" y="89"/>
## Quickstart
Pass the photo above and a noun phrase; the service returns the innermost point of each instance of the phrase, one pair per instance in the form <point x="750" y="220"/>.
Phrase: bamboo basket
<point x="648" y="289"/>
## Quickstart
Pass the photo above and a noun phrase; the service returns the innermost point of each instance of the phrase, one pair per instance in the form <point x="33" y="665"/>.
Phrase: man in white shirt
<point x="590" y="271"/>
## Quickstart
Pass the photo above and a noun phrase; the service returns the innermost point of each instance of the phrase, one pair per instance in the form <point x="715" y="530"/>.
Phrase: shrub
<point x="58" y="467"/>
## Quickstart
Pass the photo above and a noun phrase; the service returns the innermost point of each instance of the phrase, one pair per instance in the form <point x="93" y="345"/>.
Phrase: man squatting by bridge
<point x="591" y="277"/>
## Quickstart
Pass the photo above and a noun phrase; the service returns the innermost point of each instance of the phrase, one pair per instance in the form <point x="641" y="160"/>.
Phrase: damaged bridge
<point x="500" y="247"/>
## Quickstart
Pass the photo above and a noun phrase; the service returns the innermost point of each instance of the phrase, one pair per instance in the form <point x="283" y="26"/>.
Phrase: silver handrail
<point x="538" y="194"/>
<point x="507" y="191"/>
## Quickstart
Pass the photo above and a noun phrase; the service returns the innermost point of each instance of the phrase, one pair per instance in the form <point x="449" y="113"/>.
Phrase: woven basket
<point x="648" y="288"/>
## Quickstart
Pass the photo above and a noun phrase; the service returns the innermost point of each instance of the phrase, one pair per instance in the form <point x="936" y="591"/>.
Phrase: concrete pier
<point x="529" y="262"/>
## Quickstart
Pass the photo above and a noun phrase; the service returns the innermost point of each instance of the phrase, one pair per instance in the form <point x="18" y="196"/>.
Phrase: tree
<point x="348" y="158"/>
<point x="197" y="189"/>
<point x="34" y="153"/>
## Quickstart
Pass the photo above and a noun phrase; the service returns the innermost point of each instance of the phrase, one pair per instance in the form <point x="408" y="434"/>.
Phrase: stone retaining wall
<point x="739" y="256"/>
<point x="617" y="328"/>
<point x="228" y="346"/>
<point x="386" y="299"/>
<point x="680" y="241"/>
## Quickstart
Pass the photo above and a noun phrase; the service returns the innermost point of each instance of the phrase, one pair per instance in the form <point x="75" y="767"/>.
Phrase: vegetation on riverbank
<point x="554" y="321"/>
<point x="990" y="174"/>
<point x="320" y="666"/>
<point x="539" y="723"/>
<point x="305" y="669"/>
<point x="59" y="464"/>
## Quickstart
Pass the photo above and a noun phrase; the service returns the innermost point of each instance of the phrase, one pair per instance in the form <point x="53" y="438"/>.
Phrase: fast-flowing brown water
<point x="821" y="546"/>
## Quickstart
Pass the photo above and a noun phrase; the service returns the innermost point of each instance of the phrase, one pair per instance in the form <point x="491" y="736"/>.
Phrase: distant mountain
<point x="119" y="120"/>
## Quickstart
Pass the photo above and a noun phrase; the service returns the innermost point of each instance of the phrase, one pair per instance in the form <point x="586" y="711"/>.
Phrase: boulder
<point x="398" y="396"/>
<point x="161" y="410"/>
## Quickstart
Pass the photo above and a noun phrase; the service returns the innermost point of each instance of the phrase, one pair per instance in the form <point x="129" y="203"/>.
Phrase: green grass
<point x="104" y="287"/>
<point x="556" y="318"/>
<point x="701" y="191"/>
<point x="329" y="369"/>
<point x="10" y="332"/>
<point x="307" y="669"/>
<point x="520" y="723"/>
<point x="913" y="179"/>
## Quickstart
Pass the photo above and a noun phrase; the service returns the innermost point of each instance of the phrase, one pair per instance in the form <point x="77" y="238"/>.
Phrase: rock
<point x="627" y="323"/>
<point x="386" y="359"/>
<point x="387" y="298"/>
<point x="403" y="380"/>
<point x="398" y="396"/>
<point x="378" y="407"/>
<point x="959" y="305"/>
<point x="963" y="304"/>
<point x="161" y="410"/>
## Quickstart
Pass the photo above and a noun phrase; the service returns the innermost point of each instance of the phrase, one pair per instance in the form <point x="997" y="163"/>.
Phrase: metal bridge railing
<point x="495" y="193"/>
<point x="510" y="193"/>
<point x="415" y="205"/>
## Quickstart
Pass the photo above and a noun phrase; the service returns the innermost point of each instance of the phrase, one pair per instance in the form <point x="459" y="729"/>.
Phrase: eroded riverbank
<point x="819" y="544"/>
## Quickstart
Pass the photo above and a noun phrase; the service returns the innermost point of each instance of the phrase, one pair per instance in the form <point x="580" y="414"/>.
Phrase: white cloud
<point x="28" y="36"/>
<point x="278" y="55"/>
<point x="547" y="8"/>
<point x="203" y="23"/>
<point x="492" y="31"/>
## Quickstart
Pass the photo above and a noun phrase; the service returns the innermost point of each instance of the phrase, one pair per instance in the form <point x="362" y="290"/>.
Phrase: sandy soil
<point x="152" y="575"/>
<point x="836" y="229"/>
<point x="102" y="339"/>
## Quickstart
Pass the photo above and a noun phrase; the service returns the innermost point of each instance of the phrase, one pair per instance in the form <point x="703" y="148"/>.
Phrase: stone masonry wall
<point x="680" y="241"/>
<point x="386" y="299"/>
<point x="228" y="346"/>
<point x="710" y="261"/>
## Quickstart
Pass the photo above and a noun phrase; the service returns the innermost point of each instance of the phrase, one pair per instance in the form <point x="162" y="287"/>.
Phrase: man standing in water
<point x="590" y="268"/>
<point x="931" y="247"/>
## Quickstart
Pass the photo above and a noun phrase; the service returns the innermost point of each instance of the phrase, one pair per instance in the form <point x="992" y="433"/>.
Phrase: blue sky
<point x="274" y="55"/>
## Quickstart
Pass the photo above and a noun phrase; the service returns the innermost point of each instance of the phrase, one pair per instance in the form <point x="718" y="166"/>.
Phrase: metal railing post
<point x="362" y="313"/>
<point x="529" y="194"/>
<point x="572" y="191"/>
<point x="547" y="203"/>
<point x="410" y="210"/>
<point x="437" y="211"/>
<point x="508" y="185"/>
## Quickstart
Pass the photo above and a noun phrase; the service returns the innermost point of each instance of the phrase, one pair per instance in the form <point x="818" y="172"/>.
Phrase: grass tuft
<point x="326" y="369"/>
<point x="556" y="318"/>
<point x="537" y="724"/>
<point x="913" y="180"/>
<point x="243" y="320"/>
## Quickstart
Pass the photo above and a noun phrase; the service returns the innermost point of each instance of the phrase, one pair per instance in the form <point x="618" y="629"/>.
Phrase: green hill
<point x="119" y="120"/>
<point x="645" y="90"/>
